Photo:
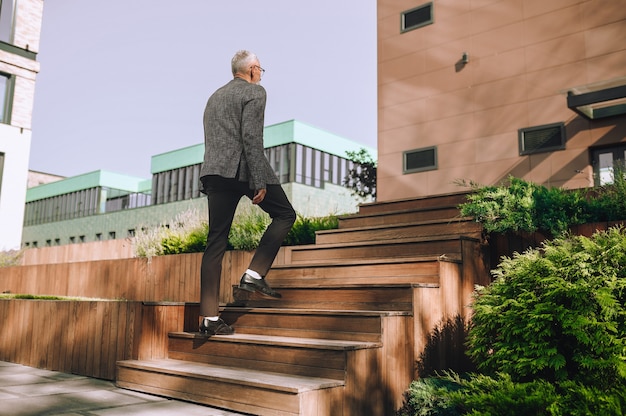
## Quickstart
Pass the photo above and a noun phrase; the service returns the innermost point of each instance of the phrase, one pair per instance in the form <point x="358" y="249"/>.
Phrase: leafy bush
<point x="361" y="179"/>
<point x="558" y="314"/>
<point x="187" y="233"/>
<point x="481" y="395"/>
<point x="548" y="336"/>
<point x="11" y="258"/>
<point x="556" y="209"/>
<point x="524" y="206"/>
<point x="503" y="208"/>
<point x="431" y="396"/>
<point x="303" y="230"/>
<point x="610" y="202"/>
<point x="247" y="229"/>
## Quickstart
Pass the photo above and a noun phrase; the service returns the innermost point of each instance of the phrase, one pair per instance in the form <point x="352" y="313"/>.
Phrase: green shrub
<point x="558" y="313"/>
<point x="609" y="203"/>
<point x="548" y="336"/>
<point x="556" y="209"/>
<point x="502" y="208"/>
<point x="11" y="258"/>
<point x="303" y="230"/>
<point x="481" y="395"/>
<point x="247" y="229"/>
<point x="187" y="233"/>
<point x="431" y="396"/>
<point x="523" y="206"/>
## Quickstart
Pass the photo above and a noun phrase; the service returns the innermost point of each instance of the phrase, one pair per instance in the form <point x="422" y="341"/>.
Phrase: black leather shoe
<point x="218" y="327"/>
<point x="251" y="284"/>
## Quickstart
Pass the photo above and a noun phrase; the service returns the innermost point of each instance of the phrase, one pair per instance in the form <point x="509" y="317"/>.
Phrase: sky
<point x="123" y="80"/>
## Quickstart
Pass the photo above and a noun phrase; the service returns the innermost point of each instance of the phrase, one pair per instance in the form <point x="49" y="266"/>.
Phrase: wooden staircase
<point x="356" y="312"/>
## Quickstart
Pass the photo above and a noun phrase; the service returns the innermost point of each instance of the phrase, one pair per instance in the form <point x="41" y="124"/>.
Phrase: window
<point x="604" y="162"/>
<point x="111" y="235"/>
<point x="7" y="15"/>
<point x="417" y="17"/>
<point x="6" y="97"/>
<point x="173" y="185"/>
<point x="541" y="139"/>
<point x="1" y="170"/>
<point x="420" y="160"/>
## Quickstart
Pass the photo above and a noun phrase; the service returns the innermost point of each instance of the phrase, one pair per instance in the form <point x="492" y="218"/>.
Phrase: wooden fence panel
<point x="70" y="253"/>
<point x="174" y="278"/>
<point x="86" y="337"/>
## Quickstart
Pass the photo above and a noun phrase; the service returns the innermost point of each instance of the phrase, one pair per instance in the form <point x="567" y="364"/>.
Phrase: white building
<point x="20" y="27"/>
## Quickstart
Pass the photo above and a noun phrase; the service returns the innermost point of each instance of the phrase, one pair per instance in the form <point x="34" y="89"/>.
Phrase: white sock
<point x="254" y="274"/>
<point x="212" y="318"/>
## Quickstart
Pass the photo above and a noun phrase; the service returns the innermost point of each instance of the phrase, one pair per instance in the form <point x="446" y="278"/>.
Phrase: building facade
<point x="480" y="90"/>
<point x="97" y="206"/>
<point x="20" y="27"/>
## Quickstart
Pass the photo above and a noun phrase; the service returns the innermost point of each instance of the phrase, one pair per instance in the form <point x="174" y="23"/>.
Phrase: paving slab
<point x="28" y="391"/>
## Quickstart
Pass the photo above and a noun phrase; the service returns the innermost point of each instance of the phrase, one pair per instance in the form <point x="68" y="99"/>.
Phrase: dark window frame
<point x="7" y="20"/>
<point x="434" y="166"/>
<point x="6" y="96"/>
<point x="403" y="17"/>
<point x="521" y="133"/>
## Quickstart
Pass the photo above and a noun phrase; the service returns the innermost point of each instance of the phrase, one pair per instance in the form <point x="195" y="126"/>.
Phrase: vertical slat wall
<point x="174" y="278"/>
<point x="86" y="337"/>
<point x="80" y="337"/>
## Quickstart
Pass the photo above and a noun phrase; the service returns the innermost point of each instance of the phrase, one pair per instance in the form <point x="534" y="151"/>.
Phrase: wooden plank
<point x="306" y="326"/>
<point x="257" y="392"/>
<point x="397" y="217"/>
<point x="98" y="338"/>
<point x="448" y="226"/>
<point x="370" y="250"/>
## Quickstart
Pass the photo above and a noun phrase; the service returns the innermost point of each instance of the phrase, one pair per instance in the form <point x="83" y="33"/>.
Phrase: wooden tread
<point x="280" y="341"/>
<point x="239" y="389"/>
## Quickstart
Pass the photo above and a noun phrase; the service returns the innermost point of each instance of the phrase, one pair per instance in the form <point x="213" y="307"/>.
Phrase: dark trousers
<point x="223" y="197"/>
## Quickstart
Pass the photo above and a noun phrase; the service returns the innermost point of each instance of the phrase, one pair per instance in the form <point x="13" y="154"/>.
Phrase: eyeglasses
<point x="260" y="69"/>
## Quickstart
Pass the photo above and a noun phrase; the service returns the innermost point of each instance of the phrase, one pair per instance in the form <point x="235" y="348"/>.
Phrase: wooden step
<point x="346" y="272"/>
<point x="312" y="357"/>
<point x="421" y="203"/>
<point x="348" y="325"/>
<point x="239" y="389"/>
<point x="387" y="297"/>
<point x="397" y="217"/>
<point x="448" y="226"/>
<point x="383" y="249"/>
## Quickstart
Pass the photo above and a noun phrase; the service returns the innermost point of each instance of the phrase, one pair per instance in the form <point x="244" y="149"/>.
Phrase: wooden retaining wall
<point x="67" y="253"/>
<point x="87" y="337"/>
<point x="174" y="278"/>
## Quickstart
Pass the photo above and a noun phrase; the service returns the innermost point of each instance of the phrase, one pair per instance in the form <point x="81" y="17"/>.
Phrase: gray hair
<point x="242" y="61"/>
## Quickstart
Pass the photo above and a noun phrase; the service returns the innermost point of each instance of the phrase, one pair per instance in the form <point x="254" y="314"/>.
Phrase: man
<point x="235" y="165"/>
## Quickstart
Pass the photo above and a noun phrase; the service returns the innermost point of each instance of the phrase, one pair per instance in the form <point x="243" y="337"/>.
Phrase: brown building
<point x="483" y="89"/>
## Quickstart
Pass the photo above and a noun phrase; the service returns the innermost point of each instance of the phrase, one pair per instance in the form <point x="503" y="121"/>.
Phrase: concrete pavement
<point x="27" y="391"/>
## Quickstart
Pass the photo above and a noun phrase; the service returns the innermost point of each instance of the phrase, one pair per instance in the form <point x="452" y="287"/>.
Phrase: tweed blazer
<point x="233" y="135"/>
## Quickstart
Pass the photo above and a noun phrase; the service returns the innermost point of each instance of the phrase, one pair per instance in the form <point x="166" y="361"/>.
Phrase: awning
<point x="599" y="100"/>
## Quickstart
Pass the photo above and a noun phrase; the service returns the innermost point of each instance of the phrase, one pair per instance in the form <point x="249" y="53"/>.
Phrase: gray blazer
<point x="233" y="135"/>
